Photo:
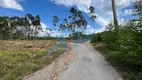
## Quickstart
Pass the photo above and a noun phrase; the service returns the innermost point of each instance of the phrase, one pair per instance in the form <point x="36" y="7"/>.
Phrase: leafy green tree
<point x="55" y="20"/>
<point x="75" y="22"/>
<point x="30" y="19"/>
<point x="4" y="29"/>
<point x="19" y="27"/>
<point x="36" y="23"/>
<point x="92" y="15"/>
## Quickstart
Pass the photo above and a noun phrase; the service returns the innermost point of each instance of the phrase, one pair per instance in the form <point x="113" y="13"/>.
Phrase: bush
<point x="97" y="38"/>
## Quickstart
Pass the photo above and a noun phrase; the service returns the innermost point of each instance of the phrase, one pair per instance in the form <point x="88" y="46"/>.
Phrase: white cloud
<point x="135" y="0"/>
<point x="101" y="21"/>
<point x="88" y="26"/>
<point x="45" y="32"/>
<point x="99" y="30"/>
<point x="58" y="34"/>
<point x="12" y="4"/>
<point x="83" y="5"/>
<point x="103" y="8"/>
<point x="128" y="12"/>
<point x="52" y="33"/>
<point x="21" y="0"/>
<point x="122" y="21"/>
<point x="91" y="30"/>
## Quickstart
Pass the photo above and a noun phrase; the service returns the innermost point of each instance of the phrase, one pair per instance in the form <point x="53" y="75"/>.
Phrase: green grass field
<point x="20" y="58"/>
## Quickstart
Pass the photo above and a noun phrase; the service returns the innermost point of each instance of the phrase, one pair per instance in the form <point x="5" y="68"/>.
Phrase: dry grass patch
<point x="20" y="58"/>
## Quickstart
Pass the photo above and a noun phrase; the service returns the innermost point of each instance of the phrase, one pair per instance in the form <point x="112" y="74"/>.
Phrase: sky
<point x="48" y="8"/>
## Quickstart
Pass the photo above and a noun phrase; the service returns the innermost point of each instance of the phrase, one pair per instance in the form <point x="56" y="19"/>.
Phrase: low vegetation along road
<point x="89" y="65"/>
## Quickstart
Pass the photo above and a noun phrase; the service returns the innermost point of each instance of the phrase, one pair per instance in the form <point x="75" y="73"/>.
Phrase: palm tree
<point x="114" y="15"/>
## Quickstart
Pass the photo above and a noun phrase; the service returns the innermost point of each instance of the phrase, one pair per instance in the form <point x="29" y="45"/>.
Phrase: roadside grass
<point x="21" y="58"/>
<point x="123" y="62"/>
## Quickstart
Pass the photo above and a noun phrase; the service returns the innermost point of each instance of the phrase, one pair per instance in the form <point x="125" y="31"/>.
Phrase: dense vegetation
<point x="81" y="36"/>
<point x="124" y="48"/>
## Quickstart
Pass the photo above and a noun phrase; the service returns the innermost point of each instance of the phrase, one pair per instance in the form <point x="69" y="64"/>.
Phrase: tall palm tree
<point x="114" y="15"/>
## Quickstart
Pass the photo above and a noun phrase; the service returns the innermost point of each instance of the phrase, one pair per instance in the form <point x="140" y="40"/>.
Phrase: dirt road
<point x="89" y="65"/>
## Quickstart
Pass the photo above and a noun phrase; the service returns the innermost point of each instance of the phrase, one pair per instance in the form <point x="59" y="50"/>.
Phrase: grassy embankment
<point x="123" y="63"/>
<point x="20" y="58"/>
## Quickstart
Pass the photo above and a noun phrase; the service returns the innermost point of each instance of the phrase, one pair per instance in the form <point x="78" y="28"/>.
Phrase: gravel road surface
<point x="89" y="65"/>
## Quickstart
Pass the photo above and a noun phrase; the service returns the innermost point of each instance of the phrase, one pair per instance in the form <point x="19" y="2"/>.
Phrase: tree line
<point x="26" y="27"/>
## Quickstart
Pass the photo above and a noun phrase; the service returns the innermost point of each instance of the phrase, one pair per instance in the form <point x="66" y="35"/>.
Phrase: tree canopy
<point x="15" y="27"/>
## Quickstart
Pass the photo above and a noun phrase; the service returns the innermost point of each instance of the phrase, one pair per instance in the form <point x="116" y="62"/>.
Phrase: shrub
<point x="97" y="38"/>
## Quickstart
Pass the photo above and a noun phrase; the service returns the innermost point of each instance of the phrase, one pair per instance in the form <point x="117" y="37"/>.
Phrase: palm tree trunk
<point x="114" y="15"/>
